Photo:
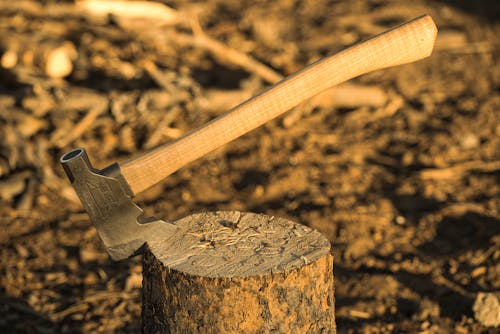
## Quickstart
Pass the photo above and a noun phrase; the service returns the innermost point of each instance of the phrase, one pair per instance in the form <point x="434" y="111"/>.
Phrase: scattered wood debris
<point x="419" y="142"/>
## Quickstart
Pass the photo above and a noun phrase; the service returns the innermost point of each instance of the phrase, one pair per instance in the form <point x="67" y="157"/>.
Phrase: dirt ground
<point x="407" y="189"/>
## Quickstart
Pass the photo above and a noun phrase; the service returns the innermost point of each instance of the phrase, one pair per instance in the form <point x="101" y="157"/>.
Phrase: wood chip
<point x="59" y="61"/>
<point x="13" y="185"/>
<point x="131" y="10"/>
<point x="29" y="125"/>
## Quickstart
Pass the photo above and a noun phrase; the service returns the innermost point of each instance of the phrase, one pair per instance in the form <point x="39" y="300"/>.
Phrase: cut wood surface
<point x="233" y="272"/>
<point x="238" y="244"/>
<point x="409" y="42"/>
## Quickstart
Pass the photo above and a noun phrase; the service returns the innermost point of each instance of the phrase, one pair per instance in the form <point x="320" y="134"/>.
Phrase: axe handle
<point x="406" y="43"/>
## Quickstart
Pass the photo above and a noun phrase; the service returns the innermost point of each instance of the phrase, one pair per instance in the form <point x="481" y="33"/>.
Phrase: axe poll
<point x="107" y="194"/>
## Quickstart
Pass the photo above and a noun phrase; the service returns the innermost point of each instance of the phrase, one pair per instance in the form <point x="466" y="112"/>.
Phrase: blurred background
<point x="400" y="168"/>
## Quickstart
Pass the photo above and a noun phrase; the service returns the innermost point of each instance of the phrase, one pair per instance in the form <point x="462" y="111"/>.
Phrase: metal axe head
<point x="107" y="198"/>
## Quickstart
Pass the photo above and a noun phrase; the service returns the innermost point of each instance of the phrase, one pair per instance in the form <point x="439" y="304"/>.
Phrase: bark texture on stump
<point x="232" y="272"/>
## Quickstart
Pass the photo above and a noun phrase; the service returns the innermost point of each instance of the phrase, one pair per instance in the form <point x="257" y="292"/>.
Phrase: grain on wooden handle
<point x="406" y="43"/>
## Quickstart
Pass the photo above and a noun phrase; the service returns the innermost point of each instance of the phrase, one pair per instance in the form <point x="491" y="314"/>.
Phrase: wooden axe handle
<point x="406" y="43"/>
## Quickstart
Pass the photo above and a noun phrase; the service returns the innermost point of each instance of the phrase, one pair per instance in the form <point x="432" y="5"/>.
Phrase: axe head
<point x="107" y="198"/>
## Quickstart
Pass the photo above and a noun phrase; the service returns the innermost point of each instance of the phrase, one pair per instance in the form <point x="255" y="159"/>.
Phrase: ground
<point x="407" y="191"/>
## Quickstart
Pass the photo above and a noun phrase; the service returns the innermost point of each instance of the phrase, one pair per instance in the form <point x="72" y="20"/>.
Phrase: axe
<point x="106" y="194"/>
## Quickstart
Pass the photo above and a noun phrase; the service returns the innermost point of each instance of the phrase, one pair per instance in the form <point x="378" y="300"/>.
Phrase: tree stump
<point x="232" y="272"/>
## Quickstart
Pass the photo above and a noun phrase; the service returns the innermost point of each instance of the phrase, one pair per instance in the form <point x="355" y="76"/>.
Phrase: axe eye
<point x="71" y="159"/>
<point x="72" y="154"/>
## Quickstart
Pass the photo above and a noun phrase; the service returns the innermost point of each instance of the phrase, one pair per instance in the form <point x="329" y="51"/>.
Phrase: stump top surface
<point x="235" y="244"/>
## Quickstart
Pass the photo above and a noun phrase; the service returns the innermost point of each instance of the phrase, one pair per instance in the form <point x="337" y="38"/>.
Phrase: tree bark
<point x="232" y="272"/>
